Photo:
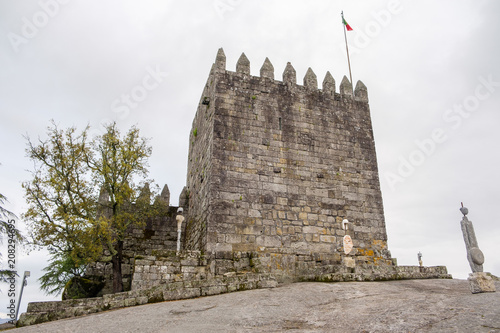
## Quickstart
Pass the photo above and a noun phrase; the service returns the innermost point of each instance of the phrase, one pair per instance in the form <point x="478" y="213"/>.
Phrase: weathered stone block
<point x="268" y="241"/>
<point x="190" y="262"/>
<point x="213" y="290"/>
<point x="130" y="302"/>
<point x="267" y="284"/>
<point x="115" y="304"/>
<point x="141" y="300"/>
<point x="480" y="282"/>
<point x="349" y="262"/>
<point x="188" y="269"/>
<point x="327" y="239"/>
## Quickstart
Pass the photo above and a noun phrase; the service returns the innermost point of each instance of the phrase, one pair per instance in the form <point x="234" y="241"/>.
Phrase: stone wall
<point x="204" y="283"/>
<point x="167" y="267"/>
<point x="275" y="167"/>
<point x="151" y="271"/>
<point x="200" y="164"/>
<point x="39" y="312"/>
<point x="159" y="234"/>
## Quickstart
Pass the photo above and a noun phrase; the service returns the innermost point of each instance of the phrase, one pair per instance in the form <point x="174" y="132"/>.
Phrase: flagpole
<point x="347" y="50"/>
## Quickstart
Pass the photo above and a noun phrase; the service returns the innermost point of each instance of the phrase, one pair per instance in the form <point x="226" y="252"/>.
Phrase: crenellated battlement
<point x="289" y="77"/>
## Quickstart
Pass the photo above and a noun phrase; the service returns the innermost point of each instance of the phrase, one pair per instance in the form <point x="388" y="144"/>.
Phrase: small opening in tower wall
<point x="279" y="122"/>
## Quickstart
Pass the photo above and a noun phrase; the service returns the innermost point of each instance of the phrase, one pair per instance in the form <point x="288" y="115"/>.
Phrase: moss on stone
<point x="79" y="287"/>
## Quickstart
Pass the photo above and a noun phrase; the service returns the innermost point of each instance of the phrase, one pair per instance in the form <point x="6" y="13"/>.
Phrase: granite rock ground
<point x="392" y="306"/>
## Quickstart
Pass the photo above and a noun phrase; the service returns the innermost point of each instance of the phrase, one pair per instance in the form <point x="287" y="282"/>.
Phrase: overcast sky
<point x="432" y="71"/>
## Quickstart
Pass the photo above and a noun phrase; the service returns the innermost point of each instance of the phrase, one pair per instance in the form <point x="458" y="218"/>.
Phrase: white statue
<point x="179" y="218"/>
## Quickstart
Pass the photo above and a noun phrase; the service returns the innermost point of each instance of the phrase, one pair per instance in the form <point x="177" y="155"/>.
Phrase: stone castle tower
<point x="275" y="167"/>
<point x="275" y="171"/>
<point x="282" y="186"/>
<point x="280" y="176"/>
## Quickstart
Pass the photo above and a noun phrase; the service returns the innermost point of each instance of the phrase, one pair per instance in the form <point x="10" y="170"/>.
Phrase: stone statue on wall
<point x="474" y="254"/>
<point x="347" y="240"/>
<point x="179" y="218"/>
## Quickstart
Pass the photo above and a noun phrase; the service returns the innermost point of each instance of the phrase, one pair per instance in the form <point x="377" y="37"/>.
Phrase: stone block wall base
<point x="205" y="285"/>
<point x="383" y="274"/>
<point x="480" y="282"/>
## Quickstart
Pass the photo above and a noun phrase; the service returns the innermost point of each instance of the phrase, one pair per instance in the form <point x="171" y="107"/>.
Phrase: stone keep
<point x="279" y="175"/>
<point x="275" y="167"/>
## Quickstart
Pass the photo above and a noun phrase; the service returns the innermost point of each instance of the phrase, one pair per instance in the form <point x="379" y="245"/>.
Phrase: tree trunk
<point x="117" y="268"/>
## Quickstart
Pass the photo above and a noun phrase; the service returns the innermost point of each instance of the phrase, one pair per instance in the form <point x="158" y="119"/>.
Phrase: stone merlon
<point x="329" y="84"/>
<point x="220" y="60"/>
<point x="361" y="93"/>
<point x="267" y="69"/>
<point x="103" y="195"/>
<point x="289" y="75"/>
<point x="145" y="192"/>
<point x="310" y="80"/>
<point x="165" y="195"/>
<point x="346" y="87"/>
<point x="243" y="65"/>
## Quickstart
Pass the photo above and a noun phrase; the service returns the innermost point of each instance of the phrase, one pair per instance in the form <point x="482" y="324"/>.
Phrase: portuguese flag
<point x="346" y="24"/>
